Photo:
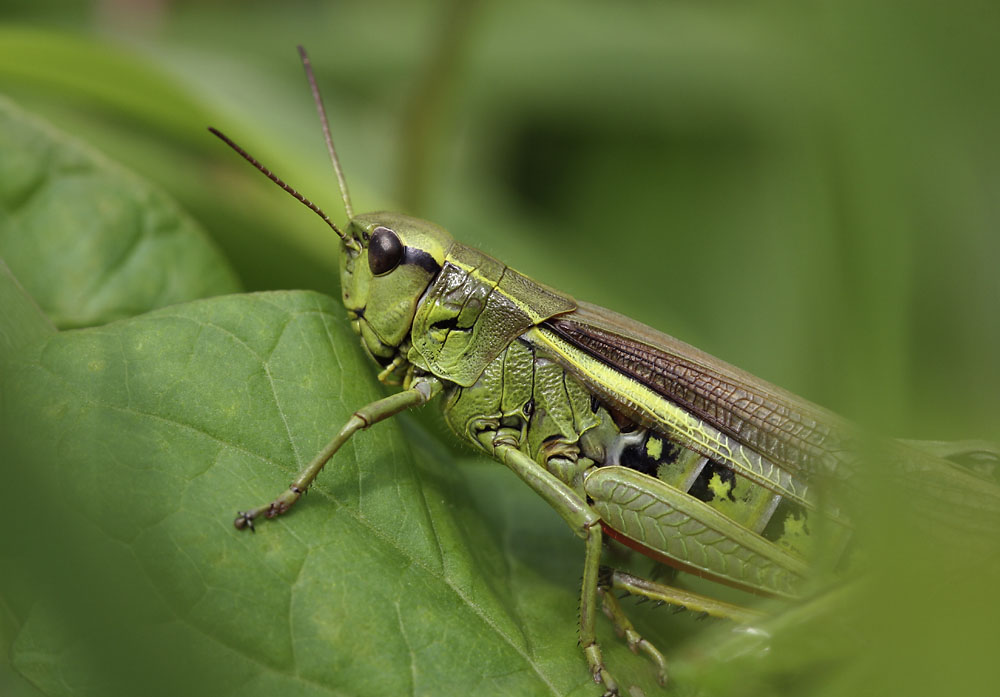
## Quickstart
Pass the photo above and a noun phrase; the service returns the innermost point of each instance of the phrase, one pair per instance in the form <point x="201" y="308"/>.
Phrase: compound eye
<point x="385" y="251"/>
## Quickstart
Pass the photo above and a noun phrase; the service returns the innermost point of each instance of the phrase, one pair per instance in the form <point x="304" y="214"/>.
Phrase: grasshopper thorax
<point x="387" y="262"/>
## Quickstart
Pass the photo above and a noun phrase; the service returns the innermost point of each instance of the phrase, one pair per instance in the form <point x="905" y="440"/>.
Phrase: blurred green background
<point x="807" y="190"/>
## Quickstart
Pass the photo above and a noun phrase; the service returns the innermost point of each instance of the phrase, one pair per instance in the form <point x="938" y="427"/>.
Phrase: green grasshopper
<point x="628" y="433"/>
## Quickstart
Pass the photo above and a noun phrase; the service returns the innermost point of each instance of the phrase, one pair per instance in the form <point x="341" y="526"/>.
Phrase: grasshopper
<point x="628" y="433"/>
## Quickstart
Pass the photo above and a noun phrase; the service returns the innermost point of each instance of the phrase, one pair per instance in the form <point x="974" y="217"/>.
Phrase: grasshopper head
<point x="387" y="262"/>
<point x="387" y="259"/>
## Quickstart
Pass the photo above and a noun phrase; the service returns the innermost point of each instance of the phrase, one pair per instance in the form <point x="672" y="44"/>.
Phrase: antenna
<point x="326" y="132"/>
<point x="350" y="242"/>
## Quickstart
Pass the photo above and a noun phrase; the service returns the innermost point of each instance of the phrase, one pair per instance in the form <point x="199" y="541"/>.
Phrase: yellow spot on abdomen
<point x="654" y="447"/>
<point x="795" y="526"/>
<point x="718" y="487"/>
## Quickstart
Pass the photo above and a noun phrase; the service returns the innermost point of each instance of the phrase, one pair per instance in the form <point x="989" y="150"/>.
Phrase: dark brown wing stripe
<point x="773" y="429"/>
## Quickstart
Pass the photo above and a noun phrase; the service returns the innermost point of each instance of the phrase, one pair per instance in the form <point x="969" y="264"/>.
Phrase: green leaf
<point x="91" y="242"/>
<point x="150" y="113"/>
<point x="135" y="443"/>
<point x="21" y="321"/>
<point x="21" y="324"/>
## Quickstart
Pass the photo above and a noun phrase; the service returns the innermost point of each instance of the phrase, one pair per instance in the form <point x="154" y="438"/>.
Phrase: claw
<point x="244" y="520"/>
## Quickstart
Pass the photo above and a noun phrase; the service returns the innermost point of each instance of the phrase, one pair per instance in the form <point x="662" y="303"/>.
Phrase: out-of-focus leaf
<point x="21" y="321"/>
<point x="21" y="324"/>
<point x="91" y="242"/>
